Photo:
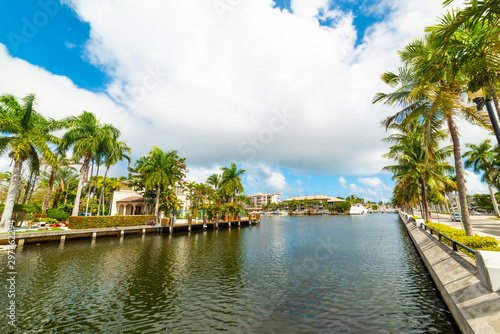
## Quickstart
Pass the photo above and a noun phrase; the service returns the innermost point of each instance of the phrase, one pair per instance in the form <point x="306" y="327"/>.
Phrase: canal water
<point x="334" y="274"/>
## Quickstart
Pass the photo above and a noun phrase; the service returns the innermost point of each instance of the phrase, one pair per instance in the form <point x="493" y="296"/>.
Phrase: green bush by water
<point x="476" y="242"/>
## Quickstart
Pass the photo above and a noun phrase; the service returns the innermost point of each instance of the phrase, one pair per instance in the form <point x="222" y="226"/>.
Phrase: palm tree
<point x="475" y="48"/>
<point x="161" y="170"/>
<point x="480" y="158"/>
<point x="431" y="88"/>
<point x="60" y="161"/>
<point x="418" y="167"/>
<point x="231" y="180"/>
<point x="87" y="136"/>
<point x="64" y="177"/>
<point x="116" y="152"/>
<point x="26" y="135"/>
<point x="474" y="12"/>
<point x="214" y="180"/>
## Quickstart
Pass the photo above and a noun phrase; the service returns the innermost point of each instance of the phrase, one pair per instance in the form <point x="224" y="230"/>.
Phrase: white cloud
<point x="266" y="179"/>
<point x="474" y="184"/>
<point x="186" y="78"/>
<point x="374" y="182"/>
<point x="343" y="182"/>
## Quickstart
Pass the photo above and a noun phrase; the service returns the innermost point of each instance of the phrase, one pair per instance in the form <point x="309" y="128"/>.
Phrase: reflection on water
<point x="290" y="274"/>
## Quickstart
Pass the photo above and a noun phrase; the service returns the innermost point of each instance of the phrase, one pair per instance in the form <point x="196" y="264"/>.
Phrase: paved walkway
<point x="483" y="225"/>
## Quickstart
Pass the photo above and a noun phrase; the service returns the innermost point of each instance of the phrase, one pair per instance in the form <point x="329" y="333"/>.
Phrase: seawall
<point x="474" y="308"/>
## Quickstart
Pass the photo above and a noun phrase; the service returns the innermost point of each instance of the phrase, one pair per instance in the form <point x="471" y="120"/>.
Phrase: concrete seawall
<point x="474" y="308"/>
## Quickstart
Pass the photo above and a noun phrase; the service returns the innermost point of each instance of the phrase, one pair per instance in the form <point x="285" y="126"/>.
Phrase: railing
<point x="456" y="244"/>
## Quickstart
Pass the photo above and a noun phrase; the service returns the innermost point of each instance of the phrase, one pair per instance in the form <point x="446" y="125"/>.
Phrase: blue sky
<point x="207" y="85"/>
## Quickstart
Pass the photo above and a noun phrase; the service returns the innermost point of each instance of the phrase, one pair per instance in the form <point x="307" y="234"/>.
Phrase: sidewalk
<point x="483" y="225"/>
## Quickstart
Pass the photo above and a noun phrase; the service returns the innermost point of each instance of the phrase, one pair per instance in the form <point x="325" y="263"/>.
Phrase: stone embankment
<point x="474" y="308"/>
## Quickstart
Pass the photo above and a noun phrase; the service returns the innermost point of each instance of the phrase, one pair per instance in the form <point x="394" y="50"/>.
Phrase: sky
<point x="283" y="88"/>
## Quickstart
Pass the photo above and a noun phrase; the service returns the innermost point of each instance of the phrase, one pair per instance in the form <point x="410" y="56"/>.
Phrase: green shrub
<point x="476" y="242"/>
<point x="51" y="221"/>
<point x="78" y="222"/>
<point x="57" y="214"/>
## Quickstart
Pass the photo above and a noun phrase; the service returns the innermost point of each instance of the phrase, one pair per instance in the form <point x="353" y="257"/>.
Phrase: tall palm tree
<point x="26" y="135"/>
<point x="160" y="171"/>
<point x="116" y="152"/>
<point x="480" y="158"/>
<point x="231" y="180"/>
<point x="87" y="136"/>
<point x="417" y="164"/>
<point x="475" y="48"/>
<point x="430" y="87"/>
<point x="214" y="180"/>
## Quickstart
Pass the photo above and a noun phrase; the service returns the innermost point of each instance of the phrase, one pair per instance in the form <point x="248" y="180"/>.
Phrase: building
<point x="127" y="202"/>
<point x="314" y="203"/>
<point x="257" y="201"/>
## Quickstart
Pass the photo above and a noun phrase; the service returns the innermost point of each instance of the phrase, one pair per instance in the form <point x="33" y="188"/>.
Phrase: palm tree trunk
<point x="76" y="206"/>
<point x="494" y="200"/>
<point x="89" y="187"/>
<point x="157" y="202"/>
<point x="32" y="190"/>
<point x="102" y="193"/>
<point x="11" y="195"/>
<point x="95" y="189"/>
<point x="494" y="95"/>
<point x="49" y="190"/>
<point x="462" y="195"/>
<point x="57" y="196"/>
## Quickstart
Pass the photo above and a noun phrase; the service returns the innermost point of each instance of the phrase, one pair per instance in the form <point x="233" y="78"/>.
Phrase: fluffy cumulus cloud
<point x="373" y="189"/>
<point x="237" y="81"/>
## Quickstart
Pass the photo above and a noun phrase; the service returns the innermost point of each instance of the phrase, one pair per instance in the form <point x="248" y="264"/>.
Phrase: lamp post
<point x="480" y="101"/>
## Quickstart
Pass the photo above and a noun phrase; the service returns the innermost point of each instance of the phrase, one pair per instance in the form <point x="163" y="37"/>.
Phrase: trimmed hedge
<point x="77" y="223"/>
<point x="476" y="242"/>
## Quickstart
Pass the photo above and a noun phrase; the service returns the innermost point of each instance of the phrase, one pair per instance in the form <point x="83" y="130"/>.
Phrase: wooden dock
<point x="92" y="233"/>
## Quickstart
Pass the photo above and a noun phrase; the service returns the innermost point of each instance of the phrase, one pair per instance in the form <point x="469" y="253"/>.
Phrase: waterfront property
<point x="357" y="274"/>
<point x="311" y="203"/>
<point x="257" y="201"/>
<point x="127" y="201"/>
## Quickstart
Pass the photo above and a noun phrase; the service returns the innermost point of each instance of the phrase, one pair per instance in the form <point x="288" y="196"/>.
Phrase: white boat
<point x="357" y="209"/>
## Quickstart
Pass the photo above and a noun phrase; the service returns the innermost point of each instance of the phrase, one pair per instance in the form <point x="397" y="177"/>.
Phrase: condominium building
<point x="259" y="200"/>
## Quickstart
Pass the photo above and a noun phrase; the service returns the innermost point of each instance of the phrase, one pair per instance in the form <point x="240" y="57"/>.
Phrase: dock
<point x="92" y="233"/>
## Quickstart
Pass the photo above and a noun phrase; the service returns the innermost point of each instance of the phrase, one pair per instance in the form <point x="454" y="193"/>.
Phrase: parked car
<point x="474" y="213"/>
<point x="455" y="217"/>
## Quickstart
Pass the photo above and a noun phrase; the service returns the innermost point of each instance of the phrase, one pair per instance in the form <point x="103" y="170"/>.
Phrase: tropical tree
<point x="26" y="136"/>
<point x="430" y="87"/>
<point x="114" y="153"/>
<point x="230" y="182"/>
<point x="214" y="180"/>
<point x="63" y="178"/>
<point x="480" y="158"/>
<point x="88" y="137"/>
<point x="60" y="161"/>
<point x="160" y="170"/>
<point x="419" y="167"/>
<point x="475" y="49"/>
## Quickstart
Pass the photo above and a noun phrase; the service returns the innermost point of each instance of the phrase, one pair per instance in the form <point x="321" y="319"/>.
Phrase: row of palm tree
<point x="455" y="56"/>
<point x="28" y="137"/>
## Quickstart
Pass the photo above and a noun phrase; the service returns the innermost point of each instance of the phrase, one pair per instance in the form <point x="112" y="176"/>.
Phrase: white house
<point x="126" y="202"/>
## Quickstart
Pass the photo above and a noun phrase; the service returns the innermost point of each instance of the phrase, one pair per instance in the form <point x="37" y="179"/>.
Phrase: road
<point x="483" y="225"/>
